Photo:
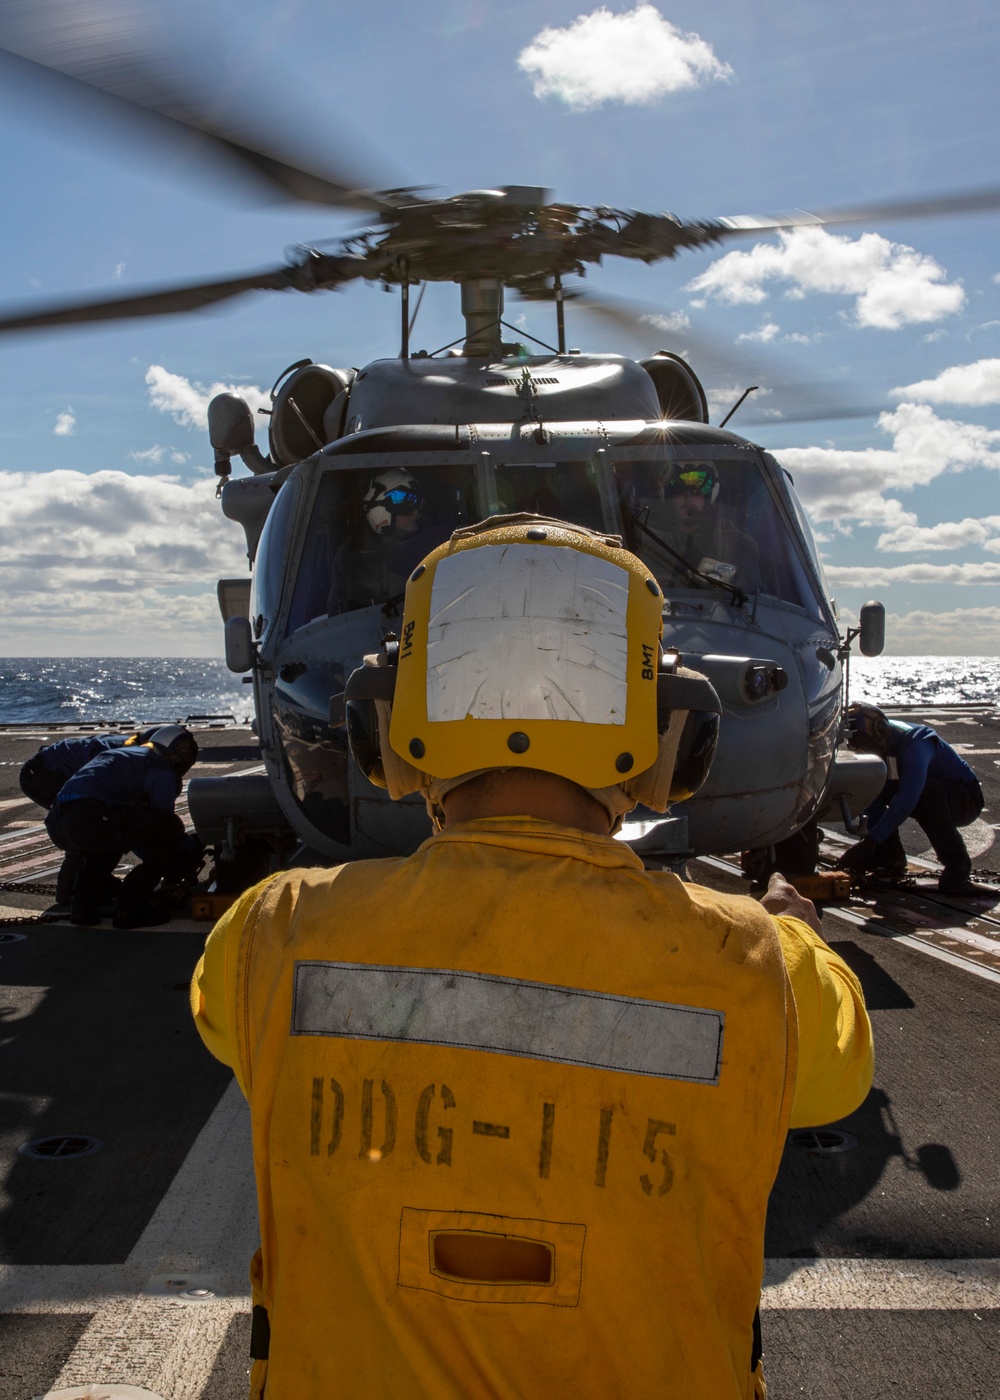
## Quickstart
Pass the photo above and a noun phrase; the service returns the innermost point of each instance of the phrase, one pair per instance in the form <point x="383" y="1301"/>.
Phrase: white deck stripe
<point x="920" y="944"/>
<point x="203" y="1231"/>
<point x="911" y="1284"/>
<point x="849" y="916"/>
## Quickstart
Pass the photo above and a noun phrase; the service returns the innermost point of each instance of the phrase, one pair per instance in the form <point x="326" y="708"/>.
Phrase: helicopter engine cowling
<point x="678" y="388"/>
<point x="308" y="406"/>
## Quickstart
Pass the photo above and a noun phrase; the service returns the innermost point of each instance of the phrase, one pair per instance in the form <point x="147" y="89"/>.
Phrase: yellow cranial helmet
<point x="530" y="643"/>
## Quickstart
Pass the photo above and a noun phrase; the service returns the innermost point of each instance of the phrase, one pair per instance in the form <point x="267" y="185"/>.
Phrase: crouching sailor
<point x="123" y="800"/>
<point x="517" y="1102"/>
<point x="928" y="781"/>
<point x="45" y="774"/>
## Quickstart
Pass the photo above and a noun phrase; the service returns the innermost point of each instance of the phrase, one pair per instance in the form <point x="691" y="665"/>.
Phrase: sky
<point x="111" y="538"/>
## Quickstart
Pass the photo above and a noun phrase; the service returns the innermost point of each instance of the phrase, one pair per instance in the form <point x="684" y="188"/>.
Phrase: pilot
<point x="365" y="570"/>
<point x="517" y="1103"/>
<point x="123" y="800"/>
<point x="43" y="776"/>
<point x="683" y="509"/>
<point x="927" y="781"/>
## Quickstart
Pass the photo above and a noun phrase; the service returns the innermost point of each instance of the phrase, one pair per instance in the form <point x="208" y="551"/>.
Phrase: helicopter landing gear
<point x="251" y="860"/>
<point x="796" y="855"/>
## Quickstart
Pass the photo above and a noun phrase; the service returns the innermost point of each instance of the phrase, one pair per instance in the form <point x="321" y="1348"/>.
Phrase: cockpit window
<point x="563" y="490"/>
<point x="698" y="519"/>
<point x="369" y="530"/>
<point x="272" y="554"/>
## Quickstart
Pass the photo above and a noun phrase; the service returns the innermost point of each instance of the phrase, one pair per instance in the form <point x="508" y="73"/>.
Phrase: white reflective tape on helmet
<point x="517" y="633"/>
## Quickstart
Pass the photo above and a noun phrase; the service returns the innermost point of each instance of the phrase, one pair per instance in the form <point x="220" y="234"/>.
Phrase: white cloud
<point x="118" y="272"/>
<point x="865" y="576"/>
<point x="893" y="284"/>
<point x="156" y="454"/>
<point x="977" y="383"/>
<point x="946" y="534"/>
<point x="188" y="401"/>
<point x="667" y="321"/>
<point x="838" y="485"/>
<point x="112" y="563"/>
<point x="764" y="333"/>
<point x="932" y="336"/>
<point x="65" y="424"/>
<point x="636" y="58"/>
<point x="957" y="632"/>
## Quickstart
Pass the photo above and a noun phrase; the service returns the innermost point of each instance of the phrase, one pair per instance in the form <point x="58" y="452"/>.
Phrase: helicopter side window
<point x="802" y="521"/>
<point x="716" y="517"/>
<point x="368" y="531"/>
<point x="272" y="555"/>
<point x="563" y="490"/>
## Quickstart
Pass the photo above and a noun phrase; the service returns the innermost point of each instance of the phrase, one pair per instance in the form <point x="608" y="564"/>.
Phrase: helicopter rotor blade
<point x="802" y="402"/>
<point x="314" y="272"/>
<point x="128" y="90"/>
<point x="968" y="202"/>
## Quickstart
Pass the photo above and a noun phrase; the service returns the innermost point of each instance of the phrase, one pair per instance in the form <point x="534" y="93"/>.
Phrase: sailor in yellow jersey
<point x="517" y="1102"/>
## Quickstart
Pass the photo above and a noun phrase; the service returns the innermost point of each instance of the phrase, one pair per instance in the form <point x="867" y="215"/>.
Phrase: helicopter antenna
<point x="404" y="313"/>
<point x="745" y="394"/>
<point x="557" y="288"/>
<point x="416" y="309"/>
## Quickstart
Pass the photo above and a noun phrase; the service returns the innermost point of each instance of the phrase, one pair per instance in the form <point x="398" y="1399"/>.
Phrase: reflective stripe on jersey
<point x="508" y="1016"/>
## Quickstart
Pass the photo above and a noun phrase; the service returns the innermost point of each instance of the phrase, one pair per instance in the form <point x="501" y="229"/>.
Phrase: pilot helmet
<point x="697" y="478"/>
<point x="531" y="643"/>
<point x="391" y="493"/>
<point x="177" y="744"/>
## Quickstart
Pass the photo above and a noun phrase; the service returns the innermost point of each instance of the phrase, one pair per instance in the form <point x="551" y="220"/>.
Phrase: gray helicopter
<point x="369" y="469"/>
<point x="417" y="446"/>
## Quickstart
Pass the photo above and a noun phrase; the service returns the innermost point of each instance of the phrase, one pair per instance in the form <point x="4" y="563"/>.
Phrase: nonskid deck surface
<point x="128" y="1266"/>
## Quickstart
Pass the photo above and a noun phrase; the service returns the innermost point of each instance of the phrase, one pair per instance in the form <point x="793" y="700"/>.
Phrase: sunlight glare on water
<point x="54" y="689"/>
<point x="925" y="680"/>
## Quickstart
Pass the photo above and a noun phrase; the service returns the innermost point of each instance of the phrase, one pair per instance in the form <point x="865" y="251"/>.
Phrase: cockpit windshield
<point x="711" y="519"/>
<point x="369" y="530"/>
<point x="699" y="518"/>
<point x="562" y="490"/>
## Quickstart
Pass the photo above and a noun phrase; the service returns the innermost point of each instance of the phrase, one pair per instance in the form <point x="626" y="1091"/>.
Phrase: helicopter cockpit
<point x="711" y="516"/>
<point x="714" y="517"/>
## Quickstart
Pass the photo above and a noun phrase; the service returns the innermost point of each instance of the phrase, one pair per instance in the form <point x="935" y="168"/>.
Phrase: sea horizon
<point x="62" y="689"/>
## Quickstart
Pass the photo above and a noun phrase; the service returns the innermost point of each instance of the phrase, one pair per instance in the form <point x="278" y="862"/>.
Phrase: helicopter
<point x="369" y="468"/>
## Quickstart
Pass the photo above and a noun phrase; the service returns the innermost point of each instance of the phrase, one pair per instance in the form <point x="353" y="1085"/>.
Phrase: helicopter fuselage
<point x="577" y="437"/>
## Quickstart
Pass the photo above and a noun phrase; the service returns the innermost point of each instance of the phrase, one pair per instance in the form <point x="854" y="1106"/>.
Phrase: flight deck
<point x="127" y="1214"/>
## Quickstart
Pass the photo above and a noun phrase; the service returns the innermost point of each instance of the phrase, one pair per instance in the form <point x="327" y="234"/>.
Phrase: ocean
<point x="118" y="688"/>
<point x="67" y="689"/>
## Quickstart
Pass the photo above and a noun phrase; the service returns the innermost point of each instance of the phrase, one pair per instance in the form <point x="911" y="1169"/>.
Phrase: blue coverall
<point x="934" y="786"/>
<point x="122" y="800"/>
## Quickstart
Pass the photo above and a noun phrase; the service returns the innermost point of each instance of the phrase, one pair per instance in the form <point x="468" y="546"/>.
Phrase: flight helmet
<point x="697" y="478"/>
<point x="531" y="643"/>
<point x="177" y="744"/>
<point x="391" y="493"/>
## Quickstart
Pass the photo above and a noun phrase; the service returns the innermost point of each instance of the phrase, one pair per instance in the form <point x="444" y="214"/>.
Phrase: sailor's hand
<point x="783" y="898"/>
<point x="859" y="858"/>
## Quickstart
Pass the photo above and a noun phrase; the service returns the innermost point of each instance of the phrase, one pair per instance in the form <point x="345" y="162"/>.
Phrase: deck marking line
<point x="873" y="1284"/>
<point x="922" y="945"/>
<point x="205" y="1225"/>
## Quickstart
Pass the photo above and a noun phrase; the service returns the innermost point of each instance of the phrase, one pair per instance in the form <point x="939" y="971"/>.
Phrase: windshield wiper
<point x="707" y="580"/>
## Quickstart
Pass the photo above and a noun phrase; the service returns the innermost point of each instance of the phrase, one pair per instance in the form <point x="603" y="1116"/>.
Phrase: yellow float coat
<point x="577" y="1210"/>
